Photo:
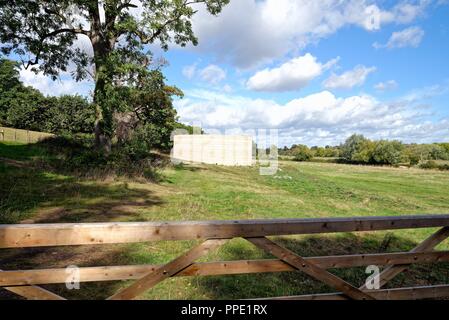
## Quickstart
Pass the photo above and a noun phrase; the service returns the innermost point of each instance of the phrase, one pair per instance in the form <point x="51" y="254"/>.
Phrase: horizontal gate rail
<point x="114" y="273"/>
<point x="41" y="235"/>
<point x="214" y="234"/>
<point x="412" y="293"/>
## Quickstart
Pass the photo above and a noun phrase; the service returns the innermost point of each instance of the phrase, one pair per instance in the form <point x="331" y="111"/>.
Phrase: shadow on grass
<point x="61" y="257"/>
<point x="30" y="194"/>
<point x="21" y="152"/>
<point x="235" y="286"/>
<point x="296" y="283"/>
<point x="65" y="199"/>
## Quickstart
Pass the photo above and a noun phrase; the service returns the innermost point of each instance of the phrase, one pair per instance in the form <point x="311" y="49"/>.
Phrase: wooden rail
<point x="215" y="234"/>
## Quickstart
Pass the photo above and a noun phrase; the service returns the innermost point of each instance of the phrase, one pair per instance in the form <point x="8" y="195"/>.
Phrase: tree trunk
<point x="102" y="134"/>
<point x="103" y="42"/>
<point x="103" y="122"/>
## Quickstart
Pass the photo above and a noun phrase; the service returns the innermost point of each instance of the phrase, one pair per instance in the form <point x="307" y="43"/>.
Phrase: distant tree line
<point x="24" y="107"/>
<point x="304" y="153"/>
<point x="148" y="125"/>
<point x="359" y="150"/>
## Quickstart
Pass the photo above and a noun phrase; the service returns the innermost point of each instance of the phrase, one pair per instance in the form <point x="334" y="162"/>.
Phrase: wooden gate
<point x="216" y="233"/>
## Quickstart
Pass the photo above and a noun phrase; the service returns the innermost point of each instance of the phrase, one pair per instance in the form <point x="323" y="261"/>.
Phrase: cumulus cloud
<point x="316" y="119"/>
<point x="64" y="85"/>
<point x="249" y="33"/>
<point x="212" y="74"/>
<point x="410" y="37"/>
<point x="349" y="79"/>
<point x="292" y="75"/>
<point x="387" y="85"/>
<point x="189" y="71"/>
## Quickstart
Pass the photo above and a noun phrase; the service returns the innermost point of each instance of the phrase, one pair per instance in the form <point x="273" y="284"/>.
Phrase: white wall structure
<point x="226" y="150"/>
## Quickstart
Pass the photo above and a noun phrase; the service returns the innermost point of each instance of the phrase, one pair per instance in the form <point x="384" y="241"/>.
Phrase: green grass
<point x="19" y="151"/>
<point x="37" y="195"/>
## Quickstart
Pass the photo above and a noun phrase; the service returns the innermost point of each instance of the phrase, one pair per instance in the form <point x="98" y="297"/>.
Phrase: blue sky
<point x="317" y="71"/>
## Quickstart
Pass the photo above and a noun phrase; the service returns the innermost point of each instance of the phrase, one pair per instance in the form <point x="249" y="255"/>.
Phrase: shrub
<point x="429" y="165"/>
<point x="438" y="152"/>
<point x="357" y="149"/>
<point x="73" y="114"/>
<point x="387" y="152"/>
<point x="302" y="153"/>
<point x="75" y="154"/>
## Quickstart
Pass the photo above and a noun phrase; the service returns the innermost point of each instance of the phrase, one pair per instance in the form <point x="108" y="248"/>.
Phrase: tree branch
<point x="64" y="30"/>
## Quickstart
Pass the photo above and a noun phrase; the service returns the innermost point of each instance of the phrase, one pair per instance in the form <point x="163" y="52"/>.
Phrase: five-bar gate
<point x="214" y="234"/>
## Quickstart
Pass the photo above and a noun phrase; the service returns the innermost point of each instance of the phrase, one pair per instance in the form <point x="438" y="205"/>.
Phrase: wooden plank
<point x="310" y="268"/>
<point x="154" y="277"/>
<point x="132" y="272"/>
<point x="411" y="293"/>
<point x="427" y="245"/>
<point x="33" y="292"/>
<point x="35" y="235"/>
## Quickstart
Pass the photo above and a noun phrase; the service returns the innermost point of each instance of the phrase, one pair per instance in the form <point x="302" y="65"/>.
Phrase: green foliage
<point x="357" y="149"/>
<point x="445" y="146"/>
<point x="302" y="153"/>
<point x="438" y="152"/>
<point x="431" y="164"/>
<point x="76" y="155"/>
<point x="327" y="152"/>
<point x="387" y="152"/>
<point x="69" y="114"/>
<point x="418" y="153"/>
<point x="188" y="129"/>
<point x="24" y="107"/>
<point x="46" y="31"/>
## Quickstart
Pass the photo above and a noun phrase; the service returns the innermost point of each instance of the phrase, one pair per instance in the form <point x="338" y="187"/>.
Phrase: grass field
<point x="29" y="193"/>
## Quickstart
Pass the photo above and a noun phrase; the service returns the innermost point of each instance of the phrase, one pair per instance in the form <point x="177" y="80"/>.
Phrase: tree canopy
<point x="44" y="33"/>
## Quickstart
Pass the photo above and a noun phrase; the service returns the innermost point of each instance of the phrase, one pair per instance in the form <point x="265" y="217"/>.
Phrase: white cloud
<point x="410" y="37"/>
<point x="227" y="88"/>
<point x="405" y="11"/>
<point x="349" y="79"/>
<point x="317" y="119"/>
<point x="64" y="85"/>
<point x="212" y="74"/>
<point x="292" y="75"/>
<point x="387" y="85"/>
<point x="189" y="71"/>
<point x="249" y="33"/>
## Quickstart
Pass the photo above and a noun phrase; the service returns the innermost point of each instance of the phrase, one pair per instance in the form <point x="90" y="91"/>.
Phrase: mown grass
<point x="35" y="195"/>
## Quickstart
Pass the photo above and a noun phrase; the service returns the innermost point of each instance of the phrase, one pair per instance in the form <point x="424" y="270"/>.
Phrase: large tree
<point x="43" y="34"/>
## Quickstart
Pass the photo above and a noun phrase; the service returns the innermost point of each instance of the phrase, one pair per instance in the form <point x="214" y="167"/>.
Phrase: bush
<point x="429" y="165"/>
<point x="76" y="155"/>
<point x="302" y="153"/>
<point x="357" y="149"/>
<point x="69" y="114"/>
<point x="387" y="152"/>
<point x="438" y="152"/>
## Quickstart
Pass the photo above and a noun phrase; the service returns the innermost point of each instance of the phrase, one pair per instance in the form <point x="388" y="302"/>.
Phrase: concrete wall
<point x="214" y="149"/>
